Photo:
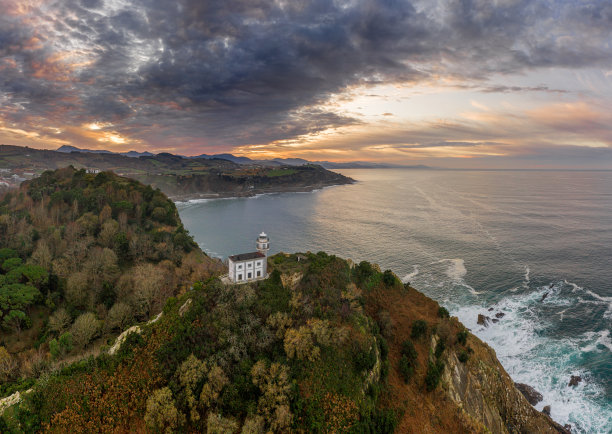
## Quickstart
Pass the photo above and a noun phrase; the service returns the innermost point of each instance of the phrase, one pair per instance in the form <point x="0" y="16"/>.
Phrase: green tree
<point x="15" y="299"/>
<point x="11" y="264"/>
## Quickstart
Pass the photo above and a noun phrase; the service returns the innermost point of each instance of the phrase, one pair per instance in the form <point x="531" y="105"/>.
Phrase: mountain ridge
<point x="247" y="160"/>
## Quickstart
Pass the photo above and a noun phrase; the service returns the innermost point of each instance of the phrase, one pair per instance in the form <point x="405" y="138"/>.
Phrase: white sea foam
<point x="602" y="299"/>
<point x="597" y="339"/>
<point x="456" y="271"/>
<point x="545" y="364"/>
<point x="409" y="276"/>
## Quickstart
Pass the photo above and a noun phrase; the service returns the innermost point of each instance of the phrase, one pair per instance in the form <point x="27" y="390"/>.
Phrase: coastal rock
<point x="546" y="410"/>
<point x="568" y="427"/>
<point x="500" y="315"/>
<point x="495" y="320"/>
<point x="490" y="309"/>
<point x="483" y="320"/>
<point x="544" y="296"/>
<point x="575" y="380"/>
<point x="532" y="395"/>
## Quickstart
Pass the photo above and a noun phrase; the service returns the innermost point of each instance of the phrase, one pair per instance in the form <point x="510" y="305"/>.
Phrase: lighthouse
<point x="247" y="267"/>
<point x="263" y="243"/>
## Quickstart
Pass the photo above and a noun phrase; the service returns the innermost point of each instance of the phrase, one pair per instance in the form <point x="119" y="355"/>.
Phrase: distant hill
<point x="133" y="154"/>
<point x="178" y="176"/>
<point x="272" y="162"/>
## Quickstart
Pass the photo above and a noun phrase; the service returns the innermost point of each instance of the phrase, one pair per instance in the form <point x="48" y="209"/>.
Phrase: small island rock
<point x="575" y="380"/>
<point x="483" y="320"/>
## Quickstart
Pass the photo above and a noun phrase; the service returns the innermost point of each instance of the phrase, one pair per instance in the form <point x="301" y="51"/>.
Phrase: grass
<point x="280" y="172"/>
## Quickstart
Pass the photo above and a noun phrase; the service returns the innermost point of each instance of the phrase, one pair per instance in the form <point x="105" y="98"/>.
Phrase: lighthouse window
<point x="259" y="263"/>
<point x="239" y="277"/>
<point x="249" y="275"/>
<point x="250" y="265"/>
<point x="239" y="267"/>
<point x="258" y="273"/>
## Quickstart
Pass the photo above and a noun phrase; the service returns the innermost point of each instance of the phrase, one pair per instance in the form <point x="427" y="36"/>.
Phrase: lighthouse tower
<point x="263" y="243"/>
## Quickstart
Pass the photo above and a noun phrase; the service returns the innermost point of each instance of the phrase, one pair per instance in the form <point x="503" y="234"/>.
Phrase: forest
<point x="82" y="257"/>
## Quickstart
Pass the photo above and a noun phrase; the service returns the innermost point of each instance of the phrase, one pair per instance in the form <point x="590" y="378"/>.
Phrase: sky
<point x="447" y="83"/>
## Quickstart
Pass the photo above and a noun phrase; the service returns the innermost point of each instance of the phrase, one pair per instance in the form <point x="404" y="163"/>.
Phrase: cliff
<point x="474" y="395"/>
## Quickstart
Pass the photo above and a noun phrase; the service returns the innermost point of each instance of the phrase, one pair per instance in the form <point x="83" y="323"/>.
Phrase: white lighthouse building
<point x="248" y="267"/>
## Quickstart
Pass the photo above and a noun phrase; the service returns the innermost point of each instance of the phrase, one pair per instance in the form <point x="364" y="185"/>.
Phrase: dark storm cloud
<point x="234" y="72"/>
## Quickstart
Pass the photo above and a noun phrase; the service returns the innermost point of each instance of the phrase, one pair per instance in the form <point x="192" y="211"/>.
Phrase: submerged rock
<point x="532" y="395"/>
<point x="575" y="380"/>
<point x="500" y="315"/>
<point x="544" y="296"/>
<point x="546" y="410"/>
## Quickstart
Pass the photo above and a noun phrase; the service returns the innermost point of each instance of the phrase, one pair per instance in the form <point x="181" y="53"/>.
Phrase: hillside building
<point x="248" y="267"/>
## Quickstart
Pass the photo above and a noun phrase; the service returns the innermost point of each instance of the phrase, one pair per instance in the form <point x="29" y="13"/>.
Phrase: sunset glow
<point x="508" y="84"/>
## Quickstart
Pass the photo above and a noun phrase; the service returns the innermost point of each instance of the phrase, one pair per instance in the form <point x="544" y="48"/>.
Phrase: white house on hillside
<point x="247" y="267"/>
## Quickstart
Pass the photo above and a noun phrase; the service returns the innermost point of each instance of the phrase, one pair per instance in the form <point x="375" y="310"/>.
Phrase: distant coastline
<point x="255" y="192"/>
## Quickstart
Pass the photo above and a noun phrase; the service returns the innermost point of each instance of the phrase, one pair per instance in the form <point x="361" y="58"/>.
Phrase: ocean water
<point x="535" y="246"/>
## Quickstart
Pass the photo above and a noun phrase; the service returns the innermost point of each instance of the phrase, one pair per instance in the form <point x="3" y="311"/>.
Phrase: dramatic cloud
<point x="197" y="76"/>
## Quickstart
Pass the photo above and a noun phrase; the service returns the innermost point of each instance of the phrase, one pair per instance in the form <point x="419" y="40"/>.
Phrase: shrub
<point x="434" y="372"/>
<point x="406" y="368"/>
<point x="59" y="321"/>
<point x="389" y="278"/>
<point x="419" y="328"/>
<point x="65" y="342"/>
<point x="298" y="343"/>
<point x="385" y="323"/>
<point x="119" y="316"/>
<point x="364" y="359"/>
<point x="216" y="424"/>
<point x="8" y="364"/>
<point x="84" y="329"/>
<point x="463" y="356"/>
<point x="54" y="348"/>
<point x="408" y="360"/>
<point x="462" y="336"/>
<point x="384" y="347"/>
<point x="363" y="272"/>
<point x="440" y="347"/>
<point x="409" y="351"/>
<point x="443" y="312"/>
<point x="162" y="414"/>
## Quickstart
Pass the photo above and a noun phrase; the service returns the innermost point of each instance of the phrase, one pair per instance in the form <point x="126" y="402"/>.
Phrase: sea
<point x="533" y="245"/>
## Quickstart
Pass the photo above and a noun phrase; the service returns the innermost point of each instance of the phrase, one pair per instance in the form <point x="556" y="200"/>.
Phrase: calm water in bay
<point x="536" y="246"/>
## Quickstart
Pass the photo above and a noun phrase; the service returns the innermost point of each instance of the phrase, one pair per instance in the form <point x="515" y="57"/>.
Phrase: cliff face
<point x="483" y="390"/>
<point x="473" y="395"/>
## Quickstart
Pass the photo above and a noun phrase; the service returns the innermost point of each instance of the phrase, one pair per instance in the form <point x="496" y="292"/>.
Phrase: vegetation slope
<point x="82" y="257"/>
